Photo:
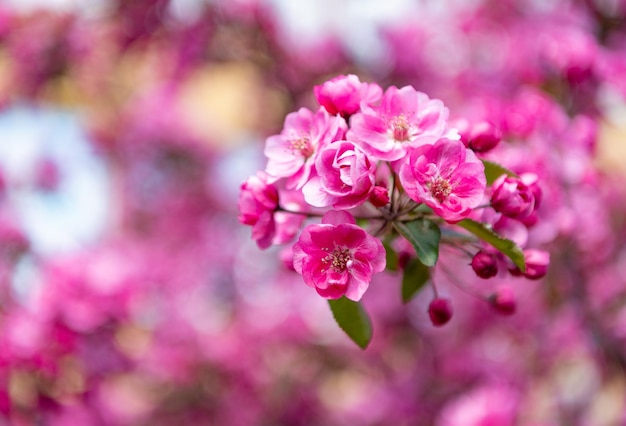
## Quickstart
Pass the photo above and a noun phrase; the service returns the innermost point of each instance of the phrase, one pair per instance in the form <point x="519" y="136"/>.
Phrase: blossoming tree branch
<point x="378" y="180"/>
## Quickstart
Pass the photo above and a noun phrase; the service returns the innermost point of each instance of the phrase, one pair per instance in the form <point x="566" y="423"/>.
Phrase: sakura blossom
<point x="446" y="177"/>
<point x="292" y="153"/>
<point x="405" y="119"/>
<point x="345" y="177"/>
<point x="337" y="257"/>
<point x="258" y="202"/>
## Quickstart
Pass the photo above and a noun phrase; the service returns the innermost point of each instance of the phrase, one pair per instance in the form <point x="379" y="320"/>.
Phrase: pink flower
<point x="445" y="176"/>
<point x="405" y="118"/>
<point x="345" y="178"/>
<point x="516" y="197"/>
<point x="337" y="257"/>
<point x="292" y="153"/>
<point x="489" y="405"/>
<point x="343" y="94"/>
<point x="258" y="205"/>
<point x="503" y="300"/>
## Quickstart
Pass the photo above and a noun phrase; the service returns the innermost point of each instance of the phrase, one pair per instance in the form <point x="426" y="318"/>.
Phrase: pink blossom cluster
<point x="175" y="317"/>
<point x="378" y="156"/>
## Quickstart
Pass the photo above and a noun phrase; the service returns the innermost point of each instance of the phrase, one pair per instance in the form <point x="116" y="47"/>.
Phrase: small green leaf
<point x="392" y="257"/>
<point x="424" y="235"/>
<point x="507" y="247"/>
<point x="353" y="320"/>
<point x="416" y="275"/>
<point x="494" y="170"/>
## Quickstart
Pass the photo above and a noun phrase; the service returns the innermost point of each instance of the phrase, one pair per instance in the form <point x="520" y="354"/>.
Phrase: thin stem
<point x="455" y="281"/>
<point x="432" y="283"/>
<point x="394" y="193"/>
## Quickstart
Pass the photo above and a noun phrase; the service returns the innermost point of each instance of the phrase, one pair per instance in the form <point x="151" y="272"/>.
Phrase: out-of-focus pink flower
<point x="292" y="153"/>
<point x="343" y="94"/>
<point x="345" y="177"/>
<point x="258" y="201"/>
<point x="445" y="176"/>
<point x="13" y="241"/>
<point x="440" y="311"/>
<point x="485" y="264"/>
<point x="571" y="52"/>
<point x="515" y="197"/>
<point x="503" y="300"/>
<point x="404" y="119"/>
<point x="337" y="257"/>
<point x="492" y="405"/>
<point x="47" y="175"/>
<point x="3" y="184"/>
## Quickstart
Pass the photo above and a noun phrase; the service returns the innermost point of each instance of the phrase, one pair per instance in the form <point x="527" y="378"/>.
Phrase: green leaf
<point x="507" y="247"/>
<point x="392" y="257"/>
<point x="353" y="320"/>
<point x="416" y="275"/>
<point x="494" y="170"/>
<point x="424" y="235"/>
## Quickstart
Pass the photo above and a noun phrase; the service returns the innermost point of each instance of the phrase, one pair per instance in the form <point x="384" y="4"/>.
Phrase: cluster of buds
<point x="379" y="166"/>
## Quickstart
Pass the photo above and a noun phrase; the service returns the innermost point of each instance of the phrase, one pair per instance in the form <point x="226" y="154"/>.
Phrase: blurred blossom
<point x="129" y="294"/>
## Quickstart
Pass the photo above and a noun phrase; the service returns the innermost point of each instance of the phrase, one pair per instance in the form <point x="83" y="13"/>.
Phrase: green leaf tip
<point x="424" y="235"/>
<point x="415" y="277"/>
<point x="494" y="170"/>
<point x="353" y="320"/>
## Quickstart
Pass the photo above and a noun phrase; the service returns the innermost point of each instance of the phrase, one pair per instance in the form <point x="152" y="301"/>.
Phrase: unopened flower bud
<point x="343" y="94"/>
<point x="440" y="311"/>
<point x="404" y="257"/>
<point x="485" y="265"/>
<point x="537" y="262"/>
<point x="515" y="197"/>
<point x="379" y="196"/>
<point x="482" y="136"/>
<point x="503" y="300"/>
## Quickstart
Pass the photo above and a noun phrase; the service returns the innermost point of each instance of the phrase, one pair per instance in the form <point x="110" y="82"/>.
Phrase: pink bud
<point x="537" y="262"/>
<point x="379" y="196"/>
<point x="482" y="136"/>
<point x="516" y="197"/>
<point x="440" y="311"/>
<point x="343" y="94"/>
<point x="503" y="300"/>
<point x="404" y="257"/>
<point x="485" y="265"/>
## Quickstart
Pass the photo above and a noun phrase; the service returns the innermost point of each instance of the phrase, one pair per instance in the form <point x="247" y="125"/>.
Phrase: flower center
<point x="302" y="145"/>
<point x="400" y="128"/>
<point x="440" y="188"/>
<point x="339" y="259"/>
